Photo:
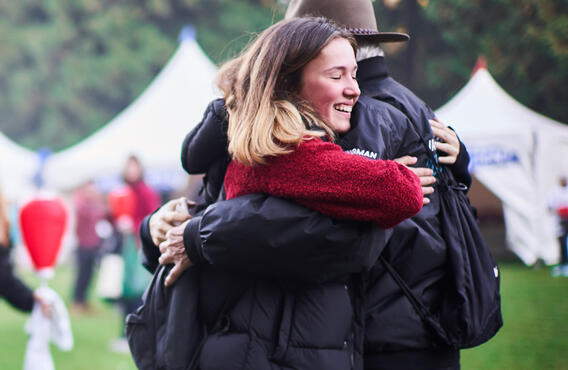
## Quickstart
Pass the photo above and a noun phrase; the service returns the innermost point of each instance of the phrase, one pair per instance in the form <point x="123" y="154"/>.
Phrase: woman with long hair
<point x="287" y="96"/>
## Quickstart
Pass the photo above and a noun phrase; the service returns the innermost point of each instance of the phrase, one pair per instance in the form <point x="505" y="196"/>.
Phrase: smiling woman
<point x="329" y="84"/>
<point x="292" y="90"/>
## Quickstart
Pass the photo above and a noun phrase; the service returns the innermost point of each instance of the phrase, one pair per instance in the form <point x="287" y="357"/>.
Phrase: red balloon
<point x="122" y="202"/>
<point x="43" y="222"/>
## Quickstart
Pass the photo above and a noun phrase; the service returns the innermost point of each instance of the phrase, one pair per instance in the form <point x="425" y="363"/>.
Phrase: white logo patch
<point x="363" y="153"/>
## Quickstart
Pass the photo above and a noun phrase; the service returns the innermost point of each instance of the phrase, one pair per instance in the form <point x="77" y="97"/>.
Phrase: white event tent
<point x="516" y="153"/>
<point x="18" y="166"/>
<point x="152" y="127"/>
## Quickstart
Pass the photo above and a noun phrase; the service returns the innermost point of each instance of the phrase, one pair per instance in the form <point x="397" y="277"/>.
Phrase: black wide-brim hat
<point x="357" y="16"/>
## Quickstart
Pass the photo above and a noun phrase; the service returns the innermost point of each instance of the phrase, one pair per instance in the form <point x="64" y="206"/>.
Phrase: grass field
<point x="534" y="337"/>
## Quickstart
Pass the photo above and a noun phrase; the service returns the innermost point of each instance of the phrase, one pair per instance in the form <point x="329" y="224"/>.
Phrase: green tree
<point x="68" y="66"/>
<point x="525" y="43"/>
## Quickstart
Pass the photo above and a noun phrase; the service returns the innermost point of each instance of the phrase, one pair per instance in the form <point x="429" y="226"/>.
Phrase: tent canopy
<point x="17" y="167"/>
<point x="516" y="153"/>
<point x="152" y="127"/>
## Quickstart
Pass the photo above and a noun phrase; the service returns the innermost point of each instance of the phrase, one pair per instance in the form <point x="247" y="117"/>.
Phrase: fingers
<point x="171" y="205"/>
<point x="46" y="306"/>
<point x="427" y="190"/>
<point x="176" y="217"/>
<point x="426" y="175"/>
<point x="163" y="246"/>
<point x="449" y="149"/>
<point x="436" y="123"/>
<point x="174" y="274"/>
<point x="180" y="266"/>
<point x="165" y="258"/>
<point x="406" y="160"/>
<point x="450" y="143"/>
<point x="445" y="135"/>
<point x="446" y="159"/>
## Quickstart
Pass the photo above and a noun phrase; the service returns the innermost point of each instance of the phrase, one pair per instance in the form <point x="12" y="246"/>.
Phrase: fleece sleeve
<point x="319" y="175"/>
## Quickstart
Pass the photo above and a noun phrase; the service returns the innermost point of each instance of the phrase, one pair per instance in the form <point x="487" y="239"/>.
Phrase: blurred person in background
<point x="145" y="200"/>
<point x="89" y="210"/>
<point x="558" y="204"/>
<point x="11" y="288"/>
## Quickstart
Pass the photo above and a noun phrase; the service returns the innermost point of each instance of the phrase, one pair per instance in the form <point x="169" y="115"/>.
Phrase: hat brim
<point x="380" y="37"/>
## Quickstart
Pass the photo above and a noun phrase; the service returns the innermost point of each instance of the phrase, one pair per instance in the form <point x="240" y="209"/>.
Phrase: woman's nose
<point x="352" y="89"/>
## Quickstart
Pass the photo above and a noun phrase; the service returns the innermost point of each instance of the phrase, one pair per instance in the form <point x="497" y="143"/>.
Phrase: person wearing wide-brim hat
<point x="358" y="17"/>
<point x="395" y="337"/>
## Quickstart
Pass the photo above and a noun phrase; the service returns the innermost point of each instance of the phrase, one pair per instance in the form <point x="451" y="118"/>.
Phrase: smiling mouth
<point x="343" y="108"/>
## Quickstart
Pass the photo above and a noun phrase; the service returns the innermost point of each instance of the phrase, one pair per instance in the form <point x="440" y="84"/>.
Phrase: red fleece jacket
<point x="319" y="175"/>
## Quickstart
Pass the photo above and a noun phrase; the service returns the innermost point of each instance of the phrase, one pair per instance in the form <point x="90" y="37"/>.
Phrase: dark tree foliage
<point x="525" y="43"/>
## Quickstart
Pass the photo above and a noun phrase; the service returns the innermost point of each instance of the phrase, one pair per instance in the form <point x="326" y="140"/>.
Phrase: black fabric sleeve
<point x="12" y="288"/>
<point x="277" y="238"/>
<point x="150" y="251"/>
<point x="192" y="241"/>
<point x="207" y="142"/>
<point x="460" y="167"/>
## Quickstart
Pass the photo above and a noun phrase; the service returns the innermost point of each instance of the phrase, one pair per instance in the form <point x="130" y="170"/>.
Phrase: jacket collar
<point x="372" y="68"/>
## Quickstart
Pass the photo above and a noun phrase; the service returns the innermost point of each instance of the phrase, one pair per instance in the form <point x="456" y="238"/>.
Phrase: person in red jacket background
<point x="143" y="201"/>
<point x="146" y="199"/>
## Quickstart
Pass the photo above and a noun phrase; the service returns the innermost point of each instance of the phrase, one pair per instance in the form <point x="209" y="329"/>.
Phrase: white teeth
<point x="343" y="108"/>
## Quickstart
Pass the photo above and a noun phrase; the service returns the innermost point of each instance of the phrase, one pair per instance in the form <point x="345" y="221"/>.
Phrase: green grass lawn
<point x="535" y="331"/>
<point x="534" y="336"/>
<point x="92" y="333"/>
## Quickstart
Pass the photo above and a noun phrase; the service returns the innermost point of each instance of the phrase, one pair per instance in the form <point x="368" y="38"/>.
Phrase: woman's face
<point x="329" y="85"/>
<point x="132" y="171"/>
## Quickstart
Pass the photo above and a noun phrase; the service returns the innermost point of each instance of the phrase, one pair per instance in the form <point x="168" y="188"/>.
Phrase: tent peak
<point x="481" y="63"/>
<point x="187" y="33"/>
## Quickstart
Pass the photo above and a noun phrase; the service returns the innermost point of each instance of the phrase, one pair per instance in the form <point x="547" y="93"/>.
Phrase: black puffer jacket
<point x="290" y="318"/>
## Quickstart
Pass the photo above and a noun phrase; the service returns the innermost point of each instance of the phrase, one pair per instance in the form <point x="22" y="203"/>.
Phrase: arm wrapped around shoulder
<point x="319" y="175"/>
<point x="207" y="142"/>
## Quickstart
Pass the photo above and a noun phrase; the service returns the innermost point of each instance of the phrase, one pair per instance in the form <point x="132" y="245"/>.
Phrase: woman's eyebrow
<point x="331" y="69"/>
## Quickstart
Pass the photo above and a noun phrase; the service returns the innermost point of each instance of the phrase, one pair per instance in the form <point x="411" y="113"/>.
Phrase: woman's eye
<point x="335" y="77"/>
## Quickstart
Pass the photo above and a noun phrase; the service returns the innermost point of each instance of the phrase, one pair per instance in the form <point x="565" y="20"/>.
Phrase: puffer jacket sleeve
<point x="150" y="252"/>
<point x="207" y="142"/>
<point x="273" y="237"/>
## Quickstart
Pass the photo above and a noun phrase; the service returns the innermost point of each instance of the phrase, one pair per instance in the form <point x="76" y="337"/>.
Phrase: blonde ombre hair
<point x="266" y="115"/>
